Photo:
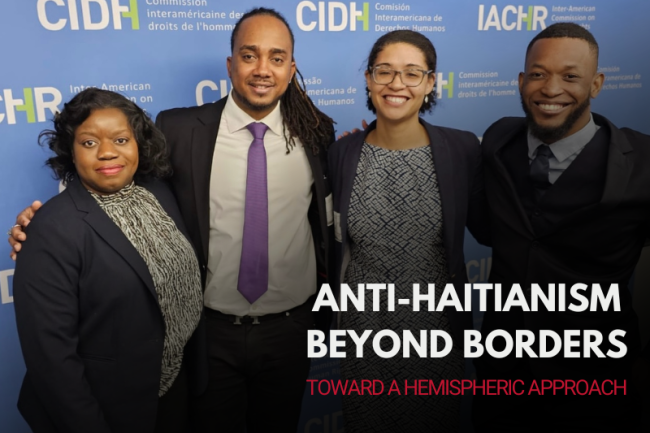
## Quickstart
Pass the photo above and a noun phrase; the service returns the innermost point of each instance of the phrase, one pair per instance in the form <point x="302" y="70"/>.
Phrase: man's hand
<point x="17" y="235"/>
<point x="364" y="125"/>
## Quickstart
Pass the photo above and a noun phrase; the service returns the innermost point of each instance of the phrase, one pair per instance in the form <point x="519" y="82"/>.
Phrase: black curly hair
<point x="419" y="41"/>
<point x="152" y="149"/>
<point x="566" y="30"/>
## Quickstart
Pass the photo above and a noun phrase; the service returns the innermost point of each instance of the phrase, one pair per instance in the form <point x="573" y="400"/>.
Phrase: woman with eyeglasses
<point x="404" y="191"/>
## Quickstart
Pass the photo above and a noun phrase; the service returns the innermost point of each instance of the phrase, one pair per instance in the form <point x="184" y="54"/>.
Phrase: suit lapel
<point x="110" y="233"/>
<point x="504" y="176"/>
<point x="204" y="139"/>
<point x="445" y="174"/>
<point x="348" y="173"/>
<point x="619" y="165"/>
<point x="319" y="187"/>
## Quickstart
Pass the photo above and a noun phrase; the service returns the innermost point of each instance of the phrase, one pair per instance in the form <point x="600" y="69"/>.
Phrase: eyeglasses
<point x="409" y="77"/>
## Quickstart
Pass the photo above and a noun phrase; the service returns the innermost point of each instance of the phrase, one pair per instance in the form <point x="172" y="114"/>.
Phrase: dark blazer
<point x="599" y="243"/>
<point x="191" y="135"/>
<point x="457" y="157"/>
<point x="88" y="318"/>
<point x="558" y="242"/>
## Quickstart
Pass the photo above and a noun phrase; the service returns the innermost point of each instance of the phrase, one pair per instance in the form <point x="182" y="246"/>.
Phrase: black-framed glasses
<point x="410" y="77"/>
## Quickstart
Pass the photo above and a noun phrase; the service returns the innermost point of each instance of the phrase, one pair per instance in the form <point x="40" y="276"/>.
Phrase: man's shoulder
<point x="501" y="129"/>
<point x="506" y="123"/>
<point x="636" y="137"/>
<point x="185" y="114"/>
<point x="633" y="136"/>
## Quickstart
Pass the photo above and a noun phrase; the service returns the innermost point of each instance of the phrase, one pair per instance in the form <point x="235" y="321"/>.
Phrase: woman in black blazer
<point x="404" y="191"/>
<point x="107" y="289"/>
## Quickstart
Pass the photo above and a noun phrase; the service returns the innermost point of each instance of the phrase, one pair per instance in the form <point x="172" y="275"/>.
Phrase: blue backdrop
<point x="171" y="53"/>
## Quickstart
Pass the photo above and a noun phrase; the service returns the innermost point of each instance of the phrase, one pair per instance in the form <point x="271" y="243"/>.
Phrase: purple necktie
<point x="254" y="266"/>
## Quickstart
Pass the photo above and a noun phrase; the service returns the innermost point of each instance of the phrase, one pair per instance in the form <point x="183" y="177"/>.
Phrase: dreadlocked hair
<point x="302" y="119"/>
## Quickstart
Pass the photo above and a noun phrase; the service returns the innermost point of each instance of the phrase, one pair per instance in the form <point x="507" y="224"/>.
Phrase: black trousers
<point x="258" y="373"/>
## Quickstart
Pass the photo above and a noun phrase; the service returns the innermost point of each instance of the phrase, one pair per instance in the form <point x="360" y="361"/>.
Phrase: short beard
<point x="550" y="135"/>
<point x="251" y="105"/>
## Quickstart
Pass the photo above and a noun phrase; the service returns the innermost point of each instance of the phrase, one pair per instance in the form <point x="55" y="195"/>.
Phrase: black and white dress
<point x="396" y="236"/>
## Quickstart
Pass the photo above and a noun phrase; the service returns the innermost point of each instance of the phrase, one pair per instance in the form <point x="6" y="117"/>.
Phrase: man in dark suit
<point x="250" y="177"/>
<point x="569" y="203"/>
<point x="258" y="313"/>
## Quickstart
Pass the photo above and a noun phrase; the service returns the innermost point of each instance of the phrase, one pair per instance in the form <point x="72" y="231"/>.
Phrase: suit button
<point x="535" y="245"/>
<point x="453" y="276"/>
<point x="537" y="212"/>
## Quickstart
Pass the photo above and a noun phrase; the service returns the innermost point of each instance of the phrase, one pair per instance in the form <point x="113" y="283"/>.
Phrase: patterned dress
<point x="395" y="227"/>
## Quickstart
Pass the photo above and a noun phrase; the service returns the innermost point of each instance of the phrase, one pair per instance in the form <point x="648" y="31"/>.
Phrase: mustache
<point x="552" y="134"/>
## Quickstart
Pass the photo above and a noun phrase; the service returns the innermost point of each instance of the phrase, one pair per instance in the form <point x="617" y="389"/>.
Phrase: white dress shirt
<point x="292" y="259"/>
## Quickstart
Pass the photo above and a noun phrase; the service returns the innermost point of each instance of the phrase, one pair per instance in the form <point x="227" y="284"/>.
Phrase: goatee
<point x="550" y="134"/>
<point x="250" y="104"/>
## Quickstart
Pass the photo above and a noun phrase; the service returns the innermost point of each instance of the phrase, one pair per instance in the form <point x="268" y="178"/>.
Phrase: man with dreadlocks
<point x="261" y="226"/>
<point x="262" y="259"/>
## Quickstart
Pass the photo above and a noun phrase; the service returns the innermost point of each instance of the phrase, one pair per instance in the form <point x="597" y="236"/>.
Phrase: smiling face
<point x="560" y="79"/>
<point x="261" y="65"/>
<point x="105" y="152"/>
<point x="395" y="101"/>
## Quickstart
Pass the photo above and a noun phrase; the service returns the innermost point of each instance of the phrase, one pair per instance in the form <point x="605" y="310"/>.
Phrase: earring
<point x="369" y="94"/>
<point x="426" y="99"/>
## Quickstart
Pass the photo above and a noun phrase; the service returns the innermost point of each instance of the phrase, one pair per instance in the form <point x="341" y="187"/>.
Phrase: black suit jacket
<point x="457" y="157"/>
<point x="191" y="135"/>
<point x="88" y="318"/>
<point x="599" y="243"/>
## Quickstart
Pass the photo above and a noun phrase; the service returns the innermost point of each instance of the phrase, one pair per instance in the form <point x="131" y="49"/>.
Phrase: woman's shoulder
<point x="61" y="204"/>
<point x="57" y="223"/>
<point x="344" y="142"/>
<point x="457" y="135"/>
<point x="339" y="151"/>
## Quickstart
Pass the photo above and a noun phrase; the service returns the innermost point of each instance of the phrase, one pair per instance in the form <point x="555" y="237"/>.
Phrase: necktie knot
<point x="257" y="129"/>
<point x="544" y="151"/>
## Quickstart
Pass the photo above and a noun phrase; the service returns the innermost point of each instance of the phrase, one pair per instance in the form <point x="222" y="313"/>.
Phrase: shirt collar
<point x="564" y="148"/>
<point x="237" y="119"/>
